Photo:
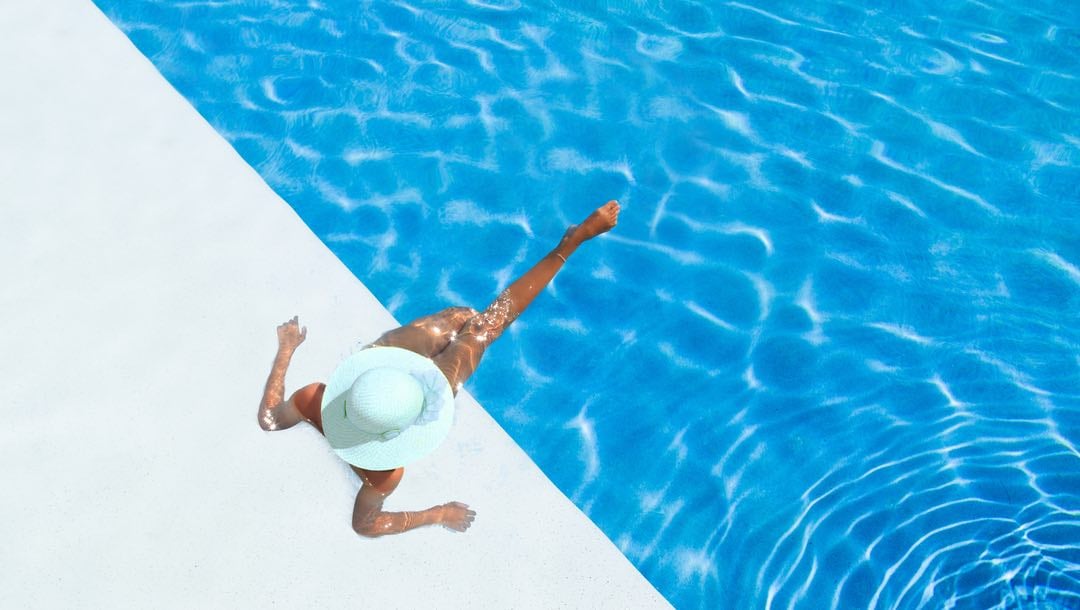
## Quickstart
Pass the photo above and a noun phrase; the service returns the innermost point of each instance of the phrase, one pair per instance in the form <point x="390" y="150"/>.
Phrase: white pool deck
<point x="144" y="268"/>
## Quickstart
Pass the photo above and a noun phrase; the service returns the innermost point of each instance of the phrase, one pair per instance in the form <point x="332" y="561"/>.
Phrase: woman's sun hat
<point x="385" y="407"/>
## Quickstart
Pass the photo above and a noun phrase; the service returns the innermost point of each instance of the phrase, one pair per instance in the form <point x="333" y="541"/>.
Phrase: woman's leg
<point x="461" y="356"/>
<point x="428" y="335"/>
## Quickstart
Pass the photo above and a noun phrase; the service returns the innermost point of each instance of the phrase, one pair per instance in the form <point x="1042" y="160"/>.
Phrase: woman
<point x="392" y="402"/>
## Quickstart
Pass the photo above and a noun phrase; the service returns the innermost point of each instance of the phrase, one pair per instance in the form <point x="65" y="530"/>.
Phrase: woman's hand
<point x="290" y="335"/>
<point x="456" y="516"/>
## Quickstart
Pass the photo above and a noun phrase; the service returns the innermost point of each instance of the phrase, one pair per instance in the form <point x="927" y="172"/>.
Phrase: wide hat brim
<point x="373" y="452"/>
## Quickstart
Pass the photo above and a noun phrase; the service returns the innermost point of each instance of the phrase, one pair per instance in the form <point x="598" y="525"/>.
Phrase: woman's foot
<point x="600" y="221"/>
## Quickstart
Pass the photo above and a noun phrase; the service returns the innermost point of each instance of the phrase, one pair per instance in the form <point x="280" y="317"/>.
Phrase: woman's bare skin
<point x="455" y="339"/>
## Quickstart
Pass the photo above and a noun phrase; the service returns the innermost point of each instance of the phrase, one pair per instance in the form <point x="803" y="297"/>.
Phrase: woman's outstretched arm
<point x="369" y="519"/>
<point x="275" y="413"/>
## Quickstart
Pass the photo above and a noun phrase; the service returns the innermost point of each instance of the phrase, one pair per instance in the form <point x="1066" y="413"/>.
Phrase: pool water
<point x="830" y="357"/>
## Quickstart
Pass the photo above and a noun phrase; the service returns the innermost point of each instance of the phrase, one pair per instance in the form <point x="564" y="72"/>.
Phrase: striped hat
<point x="385" y="407"/>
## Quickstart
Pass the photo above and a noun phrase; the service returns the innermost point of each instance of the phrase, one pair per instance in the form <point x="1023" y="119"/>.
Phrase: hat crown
<point x="383" y="401"/>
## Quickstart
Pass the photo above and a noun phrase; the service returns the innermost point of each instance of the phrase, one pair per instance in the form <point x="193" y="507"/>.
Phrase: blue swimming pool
<point x="830" y="357"/>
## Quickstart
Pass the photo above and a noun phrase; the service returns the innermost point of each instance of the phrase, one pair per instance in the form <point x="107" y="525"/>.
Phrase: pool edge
<point x="155" y="266"/>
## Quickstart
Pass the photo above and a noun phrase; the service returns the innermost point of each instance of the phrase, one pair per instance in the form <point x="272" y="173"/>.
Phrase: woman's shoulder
<point x="383" y="481"/>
